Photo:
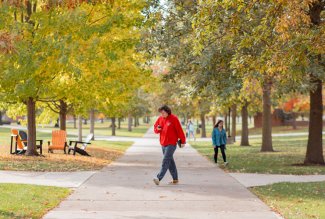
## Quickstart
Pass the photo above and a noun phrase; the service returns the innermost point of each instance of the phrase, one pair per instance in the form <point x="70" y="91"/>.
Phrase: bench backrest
<point x="59" y="138"/>
<point x="88" y="139"/>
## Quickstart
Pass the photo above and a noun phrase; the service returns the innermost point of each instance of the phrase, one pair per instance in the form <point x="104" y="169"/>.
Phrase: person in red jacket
<point x="170" y="130"/>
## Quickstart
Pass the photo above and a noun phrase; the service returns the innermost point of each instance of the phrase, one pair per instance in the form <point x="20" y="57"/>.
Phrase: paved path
<point x="125" y="189"/>
<point x="60" y="179"/>
<point x="252" y="179"/>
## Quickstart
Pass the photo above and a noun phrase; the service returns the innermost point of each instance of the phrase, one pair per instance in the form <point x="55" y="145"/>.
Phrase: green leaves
<point x="84" y="54"/>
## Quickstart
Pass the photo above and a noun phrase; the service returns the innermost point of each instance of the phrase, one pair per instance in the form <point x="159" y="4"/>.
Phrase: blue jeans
<point x="168" y="163"/>
<point x="191" y="133"/>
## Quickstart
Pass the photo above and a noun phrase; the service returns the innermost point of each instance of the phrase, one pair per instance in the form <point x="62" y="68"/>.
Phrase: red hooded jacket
<point x="171" y="130"/>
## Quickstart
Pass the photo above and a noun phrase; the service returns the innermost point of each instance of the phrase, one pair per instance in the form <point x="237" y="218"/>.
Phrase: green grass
<point x="256" y="131"/>
<point x="295" y="200"/>
<point x="104" y="129"/>
<point x="102" y="153"/>
<point x="29" y="201"/>
<point x="278" y="130"/>
<point x="290" y="151"/>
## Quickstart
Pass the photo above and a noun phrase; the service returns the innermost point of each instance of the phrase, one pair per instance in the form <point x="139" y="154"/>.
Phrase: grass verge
<point x="29" y="201"/>
<point x="290" y="151"/>
<point x="102" y="153"/>
<point x="294" y="200"/>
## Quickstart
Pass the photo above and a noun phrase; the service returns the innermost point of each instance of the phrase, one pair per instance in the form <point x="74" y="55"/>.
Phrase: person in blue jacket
<point x="219" y="140"/>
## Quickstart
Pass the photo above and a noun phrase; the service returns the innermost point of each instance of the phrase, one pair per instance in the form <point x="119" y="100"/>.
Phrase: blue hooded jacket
<point x="219" y="137"/>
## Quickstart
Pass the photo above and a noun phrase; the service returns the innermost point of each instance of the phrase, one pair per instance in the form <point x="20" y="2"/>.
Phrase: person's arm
<point x="214" y="140"/>
<point x="156" y="129"/>
<point x="180" y="132"/>
<point x="225" y="137"/>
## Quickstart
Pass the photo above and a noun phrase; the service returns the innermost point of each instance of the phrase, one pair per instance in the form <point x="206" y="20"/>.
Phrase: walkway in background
<point x="125" y="189"/>
<point x="60" y="179"/>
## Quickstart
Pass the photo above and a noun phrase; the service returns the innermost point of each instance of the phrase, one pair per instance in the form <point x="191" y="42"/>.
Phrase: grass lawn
<point x="104" y="129"/>
<point x="102" y="153"/>
<point x="290" y="151"/>
<point x="29" y="201"/>
<point x="278" y="130"/>
<point x="295" y="200"/>
<point x="255" y="131"/>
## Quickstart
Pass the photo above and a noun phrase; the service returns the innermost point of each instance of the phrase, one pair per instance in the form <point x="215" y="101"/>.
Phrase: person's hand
<point x="183" y="145"/>
<point x="158" y="127"/>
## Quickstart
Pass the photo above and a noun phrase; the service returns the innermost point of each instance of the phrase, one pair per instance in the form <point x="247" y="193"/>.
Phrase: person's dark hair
<point x="216" y="125"/>
<point x="166" y="109"/>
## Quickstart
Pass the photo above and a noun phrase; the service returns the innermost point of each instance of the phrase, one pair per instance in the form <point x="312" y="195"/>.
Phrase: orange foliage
<point x="296" y="104"/>
<point x="101" y="116"/>
<point x="289" y="105"/>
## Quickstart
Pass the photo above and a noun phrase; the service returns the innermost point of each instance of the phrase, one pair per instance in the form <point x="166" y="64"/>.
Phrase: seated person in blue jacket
<point x="219" y="140"/>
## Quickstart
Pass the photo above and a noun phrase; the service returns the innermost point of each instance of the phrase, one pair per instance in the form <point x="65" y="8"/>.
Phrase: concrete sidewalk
<point x="254" y="179"/>
<point x="125" y="189"/>
<point x="60" y="179"/>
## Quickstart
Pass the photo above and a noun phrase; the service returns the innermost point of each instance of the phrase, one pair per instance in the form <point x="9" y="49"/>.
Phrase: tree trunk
<point x="314" y="154"/>
<point x="92" y="123"/>
<point x="226" y="122"/>
<point x="214" y="121"/>
<point x="203" y="133"/>
<point x="233" y="120"/>
<point x="113" y="126"/>
<point x="31" y="126"/>
<point x="130" y="123"/>
<point x="135" y="121"/>
<point x="267" y="119"/>
<point x="0" y="117"/>
<point x="79" y="128"/>
<point x="229" y="120"/>
<point x="198" y="131"/>
<point x="244" y="134"/>
<point x="28" y="10"/>
<point x="74" y="121"/>
<point x="138" y="121"/>
<point x="294" y="120"/>
<point x="63" y="115"/>
<point x="119" y="123"/>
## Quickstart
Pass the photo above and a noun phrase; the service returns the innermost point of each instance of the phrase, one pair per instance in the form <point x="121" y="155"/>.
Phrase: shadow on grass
<point x="307" y="165"/>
